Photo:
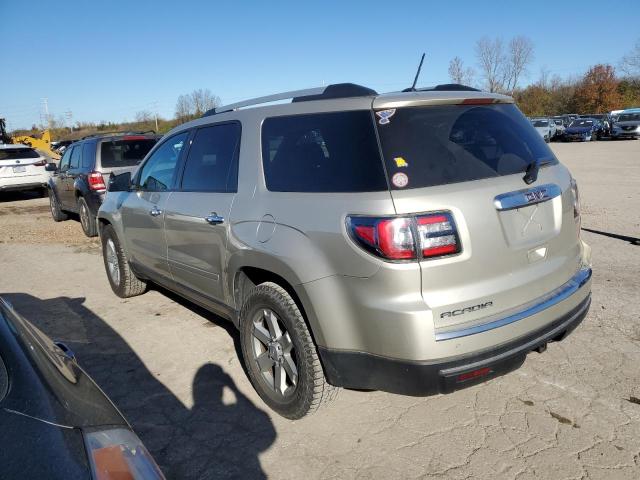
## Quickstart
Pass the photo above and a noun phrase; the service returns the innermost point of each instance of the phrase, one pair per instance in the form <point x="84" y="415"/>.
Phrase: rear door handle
<point x="214" y="219"/>
<point x="154" y="212"/>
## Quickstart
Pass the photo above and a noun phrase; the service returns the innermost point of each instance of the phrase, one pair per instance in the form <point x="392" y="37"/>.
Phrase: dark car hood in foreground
<point x="574" y="130"/>
<point x="46" y="384"/>
<point x="34" y="449"/>
<point x="48" y="401"/>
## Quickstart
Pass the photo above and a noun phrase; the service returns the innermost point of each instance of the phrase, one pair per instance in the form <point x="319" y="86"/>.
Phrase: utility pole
<point x="155" y="113"/>
<point x="45" y="105"/>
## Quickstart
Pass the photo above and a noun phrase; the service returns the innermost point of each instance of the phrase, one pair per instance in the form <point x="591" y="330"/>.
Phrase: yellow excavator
<point x="43" y="143"/>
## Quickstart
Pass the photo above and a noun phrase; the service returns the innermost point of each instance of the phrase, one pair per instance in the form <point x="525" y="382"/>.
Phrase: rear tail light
<point x="418" y="237"/>
<point x="575" y="194"/>
<point x="40" y="163"/>
<point x="96" y="182"/>
<point x="438" y="235"/>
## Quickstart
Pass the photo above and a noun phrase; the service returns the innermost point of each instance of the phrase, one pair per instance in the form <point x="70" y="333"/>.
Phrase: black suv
<point x="79" y="182"/>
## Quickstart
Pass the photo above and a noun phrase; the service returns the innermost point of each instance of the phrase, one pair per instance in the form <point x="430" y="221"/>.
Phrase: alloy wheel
<point x="274" y="353"/>
<point x="84" y="216"/>
<point x="112" y="261"/>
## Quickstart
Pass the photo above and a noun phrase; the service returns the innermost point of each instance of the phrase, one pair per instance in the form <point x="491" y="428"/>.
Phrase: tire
<point x="273" y="329"/>
<point x="87" y="219"/>
<point x="123" y="283"/>
<point x="56" y="213"/>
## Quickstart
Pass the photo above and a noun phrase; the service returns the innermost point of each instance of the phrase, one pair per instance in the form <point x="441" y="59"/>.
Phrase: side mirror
<point x="51" y="167"/>
<point x="120" y="183"/>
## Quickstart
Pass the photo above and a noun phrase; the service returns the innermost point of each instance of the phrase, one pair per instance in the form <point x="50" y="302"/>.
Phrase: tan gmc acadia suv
<point x="414" y="242"/>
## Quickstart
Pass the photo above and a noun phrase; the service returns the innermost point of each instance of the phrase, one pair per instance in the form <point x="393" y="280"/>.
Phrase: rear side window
<point x="88" y="151"/>
<point x="440" y="145"/>
<point x="212" y="162"/>
<point x="322" y="152"/>
<point x="17" y="153"/>
<point x="76" y="155"/>
<point x="124" y="153"/>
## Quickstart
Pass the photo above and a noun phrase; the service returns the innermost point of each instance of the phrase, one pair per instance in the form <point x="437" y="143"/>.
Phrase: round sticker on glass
<point x="400" y="180"/>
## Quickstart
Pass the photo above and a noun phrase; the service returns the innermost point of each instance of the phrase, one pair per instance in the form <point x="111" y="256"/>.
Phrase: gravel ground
<point x="572" y="412"/>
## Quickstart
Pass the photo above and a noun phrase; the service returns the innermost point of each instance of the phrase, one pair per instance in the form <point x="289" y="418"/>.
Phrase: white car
<point x="22" y="168"/>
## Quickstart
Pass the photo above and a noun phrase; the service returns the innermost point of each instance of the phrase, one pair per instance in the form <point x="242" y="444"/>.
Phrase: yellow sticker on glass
<point x="400" y="162"/>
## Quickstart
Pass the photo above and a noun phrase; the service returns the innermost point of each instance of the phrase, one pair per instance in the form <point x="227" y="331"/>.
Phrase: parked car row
<point x="573" y="127"/>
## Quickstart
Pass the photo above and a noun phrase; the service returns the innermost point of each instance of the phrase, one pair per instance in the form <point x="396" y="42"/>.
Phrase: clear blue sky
<point x="106" y="60"/>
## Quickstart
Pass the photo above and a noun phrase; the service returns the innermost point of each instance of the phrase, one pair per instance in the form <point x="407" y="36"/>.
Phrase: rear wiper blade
<point x="531" y="173"/>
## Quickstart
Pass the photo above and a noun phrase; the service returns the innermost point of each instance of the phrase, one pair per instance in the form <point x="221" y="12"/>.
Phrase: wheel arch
<point x="252" y="268"/>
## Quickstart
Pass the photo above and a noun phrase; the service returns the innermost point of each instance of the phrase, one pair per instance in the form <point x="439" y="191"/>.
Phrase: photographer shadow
<point x="221" y="436"/>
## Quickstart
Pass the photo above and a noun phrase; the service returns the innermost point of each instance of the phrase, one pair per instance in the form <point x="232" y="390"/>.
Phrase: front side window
<point x="212" y="162"/>
<point x="158" y="171"/>
<point x="322" y="152"/>
<point x="440" y="145"/>
<point x="64" y="161"/>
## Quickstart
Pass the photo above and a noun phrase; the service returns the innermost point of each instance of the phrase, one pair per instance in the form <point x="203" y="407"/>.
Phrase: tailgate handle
<point x="526" y="197"/>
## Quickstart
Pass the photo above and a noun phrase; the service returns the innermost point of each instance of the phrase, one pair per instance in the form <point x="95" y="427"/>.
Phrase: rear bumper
<point x="21" y="186"/>
<point x="624" y="134"/>
<point x="362" y="370"/>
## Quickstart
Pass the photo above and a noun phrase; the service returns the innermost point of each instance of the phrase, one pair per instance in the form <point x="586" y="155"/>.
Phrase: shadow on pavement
<point x="19" y="195"/>
<point x="214" y="439"/>
<point x="631" y="240"/>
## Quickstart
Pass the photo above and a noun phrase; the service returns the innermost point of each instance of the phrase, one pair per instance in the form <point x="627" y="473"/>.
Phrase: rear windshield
<point x="17" y="153"/>
<point x="124" y="153"/>
<point x="440" y="145"/>
<point x="322" y="152"/>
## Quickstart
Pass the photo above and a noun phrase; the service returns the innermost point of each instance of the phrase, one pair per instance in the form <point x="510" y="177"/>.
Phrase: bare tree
<point x="543" y="81"/>
<point x="459" y="74"/>
<point x="203" y="100"/>
<point x="518" y="59"/>
<point x="630" y="63"/>
<point x="184" y="108"/>
<point x="144" y="116"/>
<point x="491" y="59"/>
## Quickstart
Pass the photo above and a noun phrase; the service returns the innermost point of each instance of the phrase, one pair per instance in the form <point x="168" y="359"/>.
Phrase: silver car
<point x="415" y="242"/>
<point x="545" y="127"/>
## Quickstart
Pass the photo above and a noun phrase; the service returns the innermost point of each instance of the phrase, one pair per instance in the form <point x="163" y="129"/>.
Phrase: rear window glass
<point x="440" y="145"/>
<point x="322" y="152"/>
<point x="124" y="153"/>
<point x="17" y="153"/>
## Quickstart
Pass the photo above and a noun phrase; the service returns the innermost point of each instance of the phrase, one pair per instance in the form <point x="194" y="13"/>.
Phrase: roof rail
<point x="113" y="133"/>
<point x="338" y="90"/>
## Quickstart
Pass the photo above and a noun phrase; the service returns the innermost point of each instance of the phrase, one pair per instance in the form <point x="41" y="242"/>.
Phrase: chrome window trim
<point x="526" y="197"/>
<point x="554" y="297"/>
